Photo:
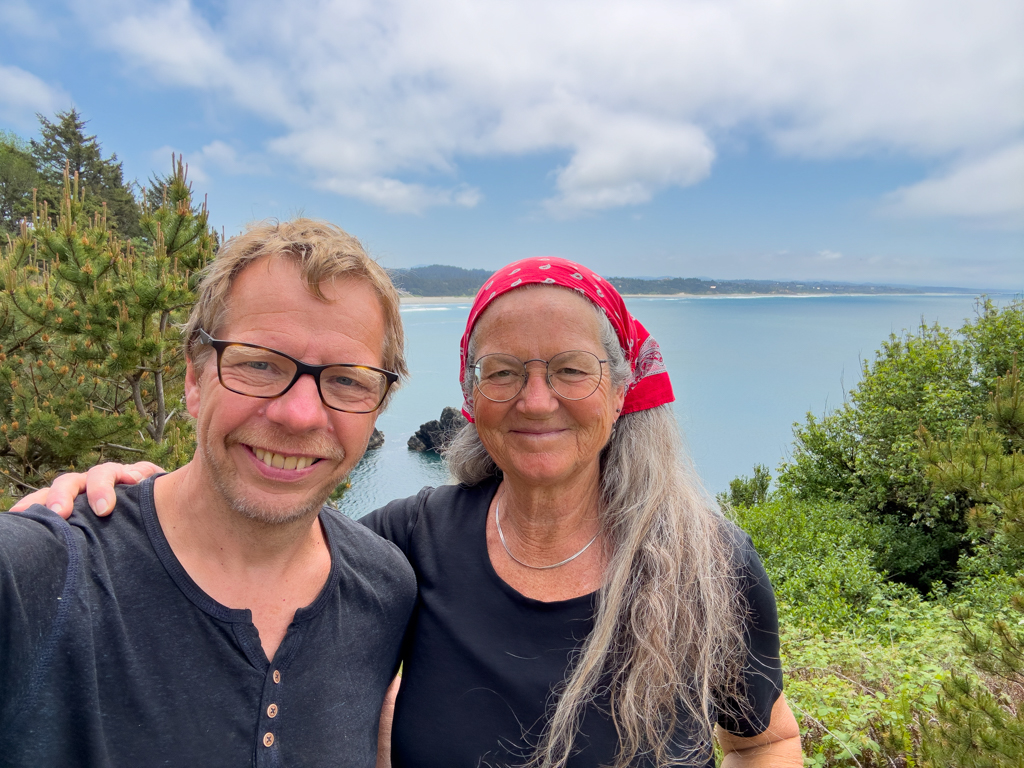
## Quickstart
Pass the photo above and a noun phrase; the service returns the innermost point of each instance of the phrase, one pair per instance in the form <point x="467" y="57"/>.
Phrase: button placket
<point x="271" y="709"/>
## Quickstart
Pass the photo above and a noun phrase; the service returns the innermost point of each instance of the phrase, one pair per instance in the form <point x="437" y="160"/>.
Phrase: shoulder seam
<point x="66" y="598"/>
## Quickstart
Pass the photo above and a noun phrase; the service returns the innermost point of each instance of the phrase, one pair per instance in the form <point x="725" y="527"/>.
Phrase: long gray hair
<point x="668" y="631"/>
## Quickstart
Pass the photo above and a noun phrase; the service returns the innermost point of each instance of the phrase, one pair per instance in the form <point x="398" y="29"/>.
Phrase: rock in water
<point x="376" y="440"/>
<point x="433" y="435"/>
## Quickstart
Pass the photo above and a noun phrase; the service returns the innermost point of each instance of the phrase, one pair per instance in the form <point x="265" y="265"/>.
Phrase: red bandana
<point x="650" y="386"/>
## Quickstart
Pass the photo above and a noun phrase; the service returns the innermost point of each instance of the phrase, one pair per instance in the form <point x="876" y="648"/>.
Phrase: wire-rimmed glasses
<point x="256" y="371"/>
<point x="572" y="375"/>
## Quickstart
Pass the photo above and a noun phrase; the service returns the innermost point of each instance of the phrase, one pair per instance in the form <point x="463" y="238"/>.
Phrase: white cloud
<point x="401" y="197"/>
<point x="827" y="255"/>
<point x="626" y="161"/>
<point x="26" y="19"/>
<point x="382" y="99"/>
<point x="217" y="155"/>
<point x="22" y="95"/>
<point x="989" y="190"/>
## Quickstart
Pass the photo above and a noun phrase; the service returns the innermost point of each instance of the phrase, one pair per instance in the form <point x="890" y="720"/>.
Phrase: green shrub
<point x="868" y="454"/>
<point x="864" y="659"/>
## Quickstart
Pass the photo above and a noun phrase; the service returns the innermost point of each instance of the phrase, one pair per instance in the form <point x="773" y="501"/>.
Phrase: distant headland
<point x="438" y="280"/>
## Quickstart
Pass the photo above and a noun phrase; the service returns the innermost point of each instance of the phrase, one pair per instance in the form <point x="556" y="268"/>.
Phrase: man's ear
<point x="191" y="388"/>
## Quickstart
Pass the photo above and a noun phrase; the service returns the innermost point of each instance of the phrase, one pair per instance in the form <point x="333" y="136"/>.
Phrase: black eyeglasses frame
<point x="219" y="345"/>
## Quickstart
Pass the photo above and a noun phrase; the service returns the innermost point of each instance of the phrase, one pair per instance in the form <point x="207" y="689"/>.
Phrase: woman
<point x="581" y="601"/>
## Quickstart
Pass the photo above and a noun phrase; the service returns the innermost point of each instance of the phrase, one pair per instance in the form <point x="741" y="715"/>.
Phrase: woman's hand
<point x="98" y="484"/>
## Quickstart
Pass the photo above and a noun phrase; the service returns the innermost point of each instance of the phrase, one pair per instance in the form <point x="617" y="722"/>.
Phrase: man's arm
<point x="34" y="559"/>
<point x="777" y="747"/>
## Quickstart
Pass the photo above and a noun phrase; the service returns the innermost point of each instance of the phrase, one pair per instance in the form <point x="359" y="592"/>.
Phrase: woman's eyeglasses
<point x="573" y="375"/>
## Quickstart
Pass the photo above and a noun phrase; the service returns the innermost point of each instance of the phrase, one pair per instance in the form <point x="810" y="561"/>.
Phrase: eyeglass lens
<point x="573" y="375"/>
<point x="262" y="372"/>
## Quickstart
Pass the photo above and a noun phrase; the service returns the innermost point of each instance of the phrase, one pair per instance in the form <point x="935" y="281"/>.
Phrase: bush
<point x="868" y="454"/>
<point x="864" y="659"/>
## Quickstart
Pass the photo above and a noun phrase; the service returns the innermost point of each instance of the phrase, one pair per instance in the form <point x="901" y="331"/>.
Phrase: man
<point x="226" y="617"/>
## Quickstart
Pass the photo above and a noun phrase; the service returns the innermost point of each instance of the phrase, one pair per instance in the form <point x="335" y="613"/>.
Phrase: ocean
<point x="744" y="369"/>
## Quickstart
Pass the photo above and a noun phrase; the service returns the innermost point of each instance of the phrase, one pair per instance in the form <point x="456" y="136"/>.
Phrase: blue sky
<point x="861" y="140"/>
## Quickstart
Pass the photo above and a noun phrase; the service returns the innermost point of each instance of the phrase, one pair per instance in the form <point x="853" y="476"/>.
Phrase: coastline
<point x="406" y="300"/>
<point x="421" y="300"/>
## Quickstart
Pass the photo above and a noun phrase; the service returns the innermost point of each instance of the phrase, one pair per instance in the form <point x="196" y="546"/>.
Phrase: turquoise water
<point x="744" y="370"/>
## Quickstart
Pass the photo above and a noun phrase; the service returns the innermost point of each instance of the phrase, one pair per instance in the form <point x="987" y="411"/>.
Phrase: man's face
<point x="241" y="438"/>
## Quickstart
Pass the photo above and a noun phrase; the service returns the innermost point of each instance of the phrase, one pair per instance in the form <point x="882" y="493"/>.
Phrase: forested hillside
<point x="438" y="280"/>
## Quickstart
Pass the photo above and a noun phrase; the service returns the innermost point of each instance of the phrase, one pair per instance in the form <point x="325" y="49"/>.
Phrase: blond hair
<point x="323" y="252"/>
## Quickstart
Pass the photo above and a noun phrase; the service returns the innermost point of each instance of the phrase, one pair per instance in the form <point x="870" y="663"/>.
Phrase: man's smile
<point x="283" y="461"/>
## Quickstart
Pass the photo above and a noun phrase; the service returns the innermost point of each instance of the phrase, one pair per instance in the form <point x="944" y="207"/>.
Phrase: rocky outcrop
<point x="433" y="435"/>
<point x="376" y="440"/>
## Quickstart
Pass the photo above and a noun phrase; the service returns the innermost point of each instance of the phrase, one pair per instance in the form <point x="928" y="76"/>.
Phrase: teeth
<point x="272" y="459"/>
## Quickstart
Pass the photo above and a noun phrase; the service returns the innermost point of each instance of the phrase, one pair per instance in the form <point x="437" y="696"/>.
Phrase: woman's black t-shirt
<point x="481" y="659"/>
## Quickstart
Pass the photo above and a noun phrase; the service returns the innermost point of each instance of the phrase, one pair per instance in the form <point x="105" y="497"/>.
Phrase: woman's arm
<point x="387" y="717"/>
<point x="777" y="747"/>
<point x="98" y="484"/>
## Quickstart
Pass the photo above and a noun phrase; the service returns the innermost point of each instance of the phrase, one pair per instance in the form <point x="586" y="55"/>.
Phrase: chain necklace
<point x="497" y="523"/>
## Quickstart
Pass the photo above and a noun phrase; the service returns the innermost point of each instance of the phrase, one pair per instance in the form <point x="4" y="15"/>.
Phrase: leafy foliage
<point x="981" y="726"/>
<point x="863" y="658"/>
<point x="867" y="452"/>
<point x="91" y="366"/>
<point x="748" y="491"/>
<point x="18" y="177"/>
<point x="878" y="674"/>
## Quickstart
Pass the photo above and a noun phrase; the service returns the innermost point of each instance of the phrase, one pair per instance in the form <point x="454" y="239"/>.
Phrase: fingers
<point x="36" y="497"/>
<point x="98" y="485"/>
<point x="101" y="479"/>
<point x="141" y="469"/>
<point x="60" y="497"/>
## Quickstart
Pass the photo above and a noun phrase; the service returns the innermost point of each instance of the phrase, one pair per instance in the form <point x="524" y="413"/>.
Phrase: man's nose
<point x="300" y="409"/>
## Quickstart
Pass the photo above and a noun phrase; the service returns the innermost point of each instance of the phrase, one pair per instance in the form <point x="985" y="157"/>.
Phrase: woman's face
<point x="538" y="438"/>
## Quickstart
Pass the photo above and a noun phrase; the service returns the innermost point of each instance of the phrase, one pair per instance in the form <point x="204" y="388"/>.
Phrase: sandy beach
<point x="437" y="299"/>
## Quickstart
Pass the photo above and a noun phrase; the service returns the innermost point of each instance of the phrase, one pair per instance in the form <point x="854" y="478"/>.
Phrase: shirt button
<point x="268" y="739"/>
<point x="272" y="710"/>
<point x="277" y="676"/>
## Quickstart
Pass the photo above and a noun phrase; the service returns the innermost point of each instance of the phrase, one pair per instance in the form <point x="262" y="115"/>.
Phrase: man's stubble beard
<point x="227" y="483"/>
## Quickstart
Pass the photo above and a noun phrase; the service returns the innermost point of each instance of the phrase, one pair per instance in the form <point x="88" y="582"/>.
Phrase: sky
<point x="852" y="140"/>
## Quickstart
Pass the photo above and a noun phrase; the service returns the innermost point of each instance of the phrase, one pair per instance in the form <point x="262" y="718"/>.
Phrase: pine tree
<point x="64" y="145"/>
<point x="977" y="727"/>
<point x="91" y="364"/>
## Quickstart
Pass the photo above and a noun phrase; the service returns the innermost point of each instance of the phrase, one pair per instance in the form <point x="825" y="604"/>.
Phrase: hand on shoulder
<point x="98" y="484"/>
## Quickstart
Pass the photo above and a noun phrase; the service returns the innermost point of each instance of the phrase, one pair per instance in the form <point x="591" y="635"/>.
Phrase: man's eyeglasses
<point x="573" y="375"/>
<point x="256" y="371"/>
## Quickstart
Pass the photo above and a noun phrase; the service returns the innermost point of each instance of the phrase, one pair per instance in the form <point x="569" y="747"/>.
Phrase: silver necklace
<point x="497" y="523"/>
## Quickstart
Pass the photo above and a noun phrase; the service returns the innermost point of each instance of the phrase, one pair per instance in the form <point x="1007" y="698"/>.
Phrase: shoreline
<point x="420" y="300"/>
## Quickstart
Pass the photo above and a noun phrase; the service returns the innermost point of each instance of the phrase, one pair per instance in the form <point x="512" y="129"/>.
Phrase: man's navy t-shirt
<point x="110" y="655"/>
